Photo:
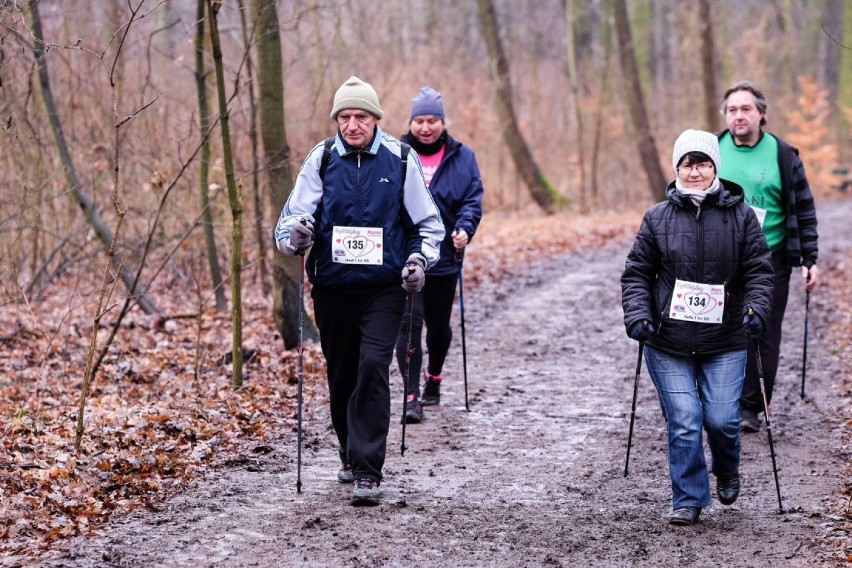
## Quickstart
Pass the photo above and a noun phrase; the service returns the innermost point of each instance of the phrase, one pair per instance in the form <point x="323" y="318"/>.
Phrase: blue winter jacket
<point x="457" y="190"/>
<point x="363" y="188"/>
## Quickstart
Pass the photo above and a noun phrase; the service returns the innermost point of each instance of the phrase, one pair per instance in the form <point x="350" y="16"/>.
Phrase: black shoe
<point x="366" y="492"/>
<point x="432" y="390"/>
<point x="749" y="422"/>
<point x="413" y="410"/>
<point x="684" y="516"/>
<point x="344" y="474"/>
<point x="728" y="488"/>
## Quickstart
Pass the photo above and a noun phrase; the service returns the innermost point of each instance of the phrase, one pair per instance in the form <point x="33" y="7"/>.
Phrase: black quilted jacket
<point x="719" y="242"/>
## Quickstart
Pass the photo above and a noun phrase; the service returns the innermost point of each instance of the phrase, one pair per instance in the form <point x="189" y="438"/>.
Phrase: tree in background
<point x="845" y="87"/>
<point x="261" y="226"/>
<point x="708" y="67"/>
<point x="234" y="199"/>
<point x="116" y="259"/>
<point x="204" y="161"/>
<point x="276" y="150"/>
<point x="574" y="103"/>
<point x="648" y="153"/>
<point x="540" y="190"/>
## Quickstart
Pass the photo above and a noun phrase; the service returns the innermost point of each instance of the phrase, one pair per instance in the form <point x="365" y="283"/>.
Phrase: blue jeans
<point x="699" y="392"/>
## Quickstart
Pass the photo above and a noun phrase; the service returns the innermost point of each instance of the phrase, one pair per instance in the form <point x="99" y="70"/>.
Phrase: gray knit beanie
<point x="427" y="102"/>
<point x="355" y="93"/>
<point x="697" y="141"/>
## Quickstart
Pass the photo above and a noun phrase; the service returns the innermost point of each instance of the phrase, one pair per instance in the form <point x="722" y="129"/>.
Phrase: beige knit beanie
<point x="355" y="93"/>
<point x="697" y="141"/>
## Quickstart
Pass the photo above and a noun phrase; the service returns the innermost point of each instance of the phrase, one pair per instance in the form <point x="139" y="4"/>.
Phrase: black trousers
<point x="769" y="342"/>
<point x="434" y="306"/>
<point x="358" y="331"/>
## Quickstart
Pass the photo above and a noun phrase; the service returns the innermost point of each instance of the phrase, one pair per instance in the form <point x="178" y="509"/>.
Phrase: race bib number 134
<point x="693" y="301"/>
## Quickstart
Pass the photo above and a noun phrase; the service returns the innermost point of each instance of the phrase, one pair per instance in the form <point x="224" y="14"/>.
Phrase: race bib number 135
<point x="357" y="245"/>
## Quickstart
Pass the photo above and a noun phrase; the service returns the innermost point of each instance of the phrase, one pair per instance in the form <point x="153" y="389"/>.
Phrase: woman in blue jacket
<point x="697" y="283"/>
<point x="453" y="178"/>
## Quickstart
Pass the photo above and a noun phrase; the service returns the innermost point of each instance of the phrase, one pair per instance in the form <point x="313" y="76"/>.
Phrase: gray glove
<point x="301" y="234"/>
<point x="413" y="276"/>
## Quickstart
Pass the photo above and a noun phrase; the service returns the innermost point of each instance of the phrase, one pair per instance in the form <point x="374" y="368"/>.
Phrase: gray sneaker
<point x="413" y="410"/>
<point x="749" y="422"/>
<point x="366" y="492"/>
<point x="344" y="474"/>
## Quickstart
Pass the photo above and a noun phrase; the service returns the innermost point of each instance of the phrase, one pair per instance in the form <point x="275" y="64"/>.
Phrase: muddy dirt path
<point x="533" y="474"/>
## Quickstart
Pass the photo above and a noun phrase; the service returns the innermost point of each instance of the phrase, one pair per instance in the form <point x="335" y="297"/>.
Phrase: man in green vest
<point x="773" y="177"/>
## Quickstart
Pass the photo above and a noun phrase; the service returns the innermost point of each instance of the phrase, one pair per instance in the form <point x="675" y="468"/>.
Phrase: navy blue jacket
<point x="457" y="190"/>
<point x="363" y="188"/>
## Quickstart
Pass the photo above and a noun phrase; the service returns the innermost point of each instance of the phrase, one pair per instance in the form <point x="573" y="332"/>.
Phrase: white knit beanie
<point x="355" y="93"/>
<point x="697" y="141"/>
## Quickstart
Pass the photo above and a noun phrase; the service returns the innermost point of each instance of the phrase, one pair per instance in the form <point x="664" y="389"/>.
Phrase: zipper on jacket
<point x="360" y="188"/>
<point x="699" y="243"/>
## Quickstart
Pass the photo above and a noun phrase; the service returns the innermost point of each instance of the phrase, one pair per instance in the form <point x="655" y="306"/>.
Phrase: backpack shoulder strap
<point x="403" y="154"/>
<point x="326" y="156"/>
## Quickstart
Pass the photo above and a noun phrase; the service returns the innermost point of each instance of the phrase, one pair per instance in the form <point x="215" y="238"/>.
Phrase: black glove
<point x="413" y="276"/>
<point x="301" y="234"/>
<point x="641" y="330"/>
<point x="753" y="325"/>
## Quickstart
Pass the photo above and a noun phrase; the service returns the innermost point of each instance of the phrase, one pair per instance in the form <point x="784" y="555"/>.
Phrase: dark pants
<point x="434" y="305"/>
<point x="357" y="334"/>
<point x="769" y="342"/>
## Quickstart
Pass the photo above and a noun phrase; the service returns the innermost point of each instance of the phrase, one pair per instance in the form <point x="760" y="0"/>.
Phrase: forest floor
<point x="533" y="474"/>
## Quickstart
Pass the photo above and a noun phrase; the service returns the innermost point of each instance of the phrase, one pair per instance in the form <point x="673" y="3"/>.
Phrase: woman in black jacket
<point x="697" y="283"/>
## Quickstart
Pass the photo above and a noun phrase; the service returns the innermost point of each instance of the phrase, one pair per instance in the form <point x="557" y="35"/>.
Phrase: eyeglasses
<point x="344" y="118"/>
<point x="703" y="168"/>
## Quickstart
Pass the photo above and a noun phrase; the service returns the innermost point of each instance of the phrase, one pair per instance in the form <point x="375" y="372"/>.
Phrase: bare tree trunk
<point x="261" y="234"/>
<point x="204" y="164"/>
<point x="574" y="103"/>
<point x="285" y="270"/>
<point x="234" y="200"/>
<point x="828" y="71"/>
<point x="790" y="44"/>
<point x="636" y="103"/>
<point x="844" y="88"/>
<point x="708" y="67"/>
<point x="540" y="189"/>
<point x="603" y="69"/>
<point x="102" y="230"/>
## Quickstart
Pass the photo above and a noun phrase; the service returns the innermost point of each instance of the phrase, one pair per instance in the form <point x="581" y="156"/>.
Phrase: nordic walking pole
<point x="301" y="370"/>
<point x="805" y="347"/>
<point x="633" y="406"/>
<point x="460" y="258"/>
<point x="409" y="350"/>
<point x="766" y="413"/>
